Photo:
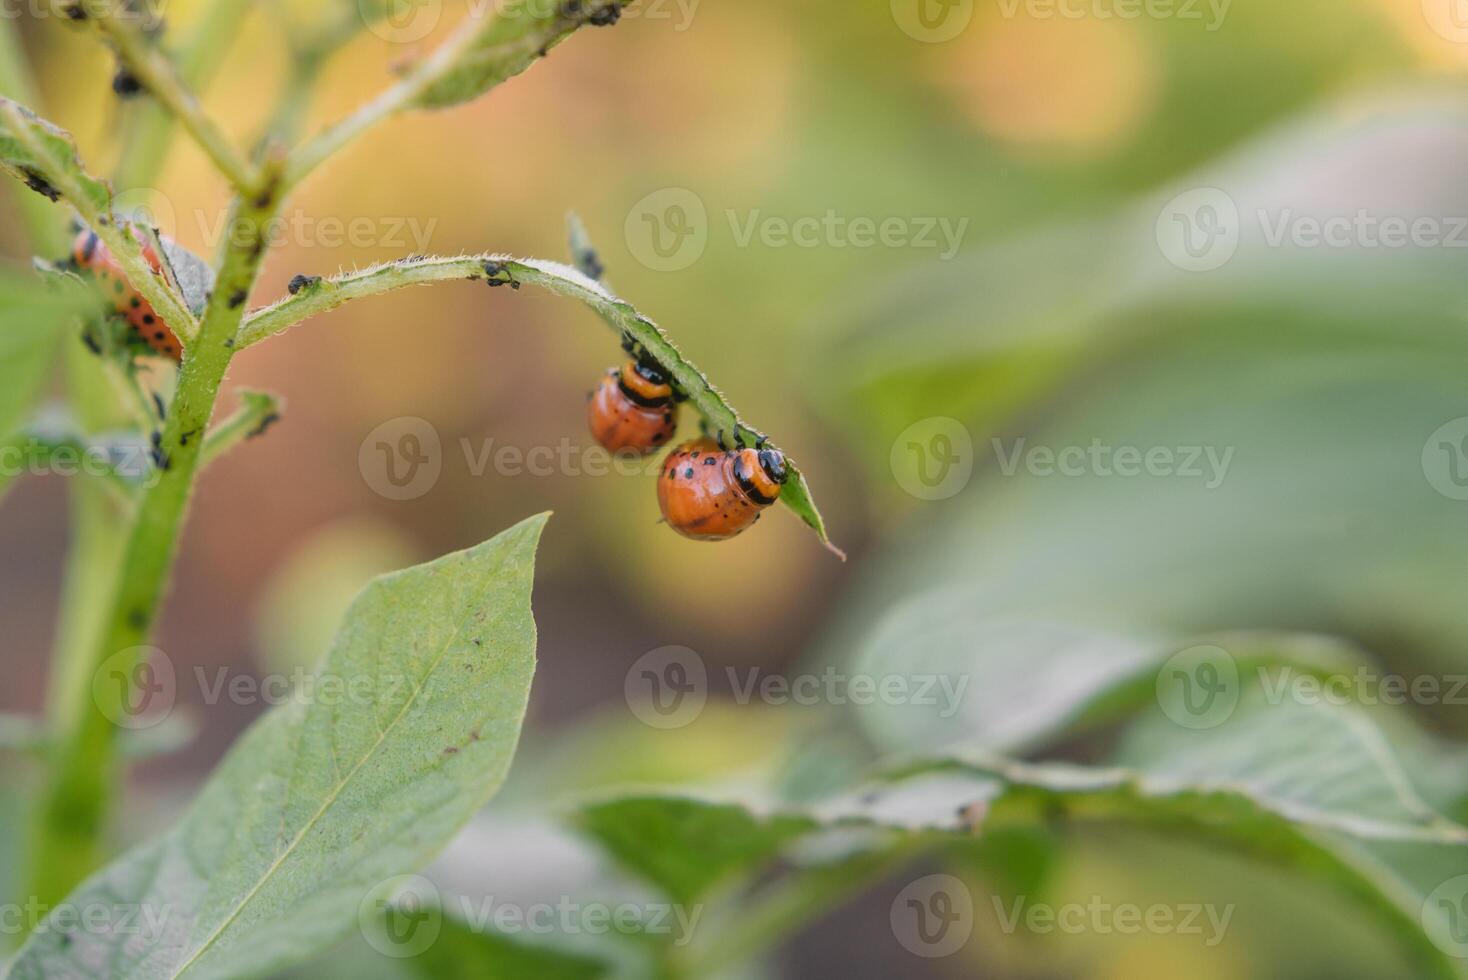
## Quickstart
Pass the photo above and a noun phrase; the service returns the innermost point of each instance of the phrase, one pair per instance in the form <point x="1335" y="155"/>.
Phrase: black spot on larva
<point x="148" y="319"/>
<point x="300" y="282"/>
<point x="229" y="342"/>
<point x="688" y="473"/>
<point x="159" y="335"/>
<point x="75" y="12"/>
<point x="710" y="461"/>
<point x="236" y="299"/>
<point x="135" y="302"/>
<point x="137" y="618"/>
<point x="117" y="286"/>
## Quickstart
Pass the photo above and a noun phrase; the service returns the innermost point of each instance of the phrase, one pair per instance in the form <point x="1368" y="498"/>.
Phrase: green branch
<point x="162" y="81"/>
<point x="74" y="807"/>
<point x="317" y="296"/>
<point x="151" y="131"/>
<point x="257" y="412"/>
<point x="483" y="52"/>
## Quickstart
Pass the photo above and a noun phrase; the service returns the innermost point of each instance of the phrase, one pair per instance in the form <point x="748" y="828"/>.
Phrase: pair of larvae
<point x="706" y="492"/>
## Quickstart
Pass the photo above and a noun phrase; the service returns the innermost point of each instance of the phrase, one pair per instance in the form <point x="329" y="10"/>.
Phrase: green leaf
<point x="43" y="156"/>
<point x="518" y="34"/>
<point x="1012" y="683"/>
<point x="461" y="951"/>
<point x="325" y="799"/>
<point x="501" y="270"/>
<point x="1317" y="789"/>
<point x="686" y="846"/>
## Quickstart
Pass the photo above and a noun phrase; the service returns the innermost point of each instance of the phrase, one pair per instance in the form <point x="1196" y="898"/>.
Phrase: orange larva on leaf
<point x="91" y="256"/>
<point x="633" y="410"/>
<point x="712" y="494"/>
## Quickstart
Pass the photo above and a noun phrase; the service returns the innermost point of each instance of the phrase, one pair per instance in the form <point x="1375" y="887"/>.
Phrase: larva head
<point x="761" y="473"/>
<point x="645" y="384"/>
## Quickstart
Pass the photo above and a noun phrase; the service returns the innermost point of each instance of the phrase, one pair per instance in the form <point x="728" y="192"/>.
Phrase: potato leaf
<point x="501" y="46"/>
<point x="408" y="730"/>
<point x="1331" y="807"/>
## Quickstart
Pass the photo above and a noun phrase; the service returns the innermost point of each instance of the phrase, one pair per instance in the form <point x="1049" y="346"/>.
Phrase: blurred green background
<point x="1054" y="142"/>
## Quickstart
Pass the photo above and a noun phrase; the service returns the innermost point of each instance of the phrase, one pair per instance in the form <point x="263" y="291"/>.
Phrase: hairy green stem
<point x="257" y="411"/>
<point x="152" y="130"/>
<point x="162" y="81"/>
<point x="74" y="807"/>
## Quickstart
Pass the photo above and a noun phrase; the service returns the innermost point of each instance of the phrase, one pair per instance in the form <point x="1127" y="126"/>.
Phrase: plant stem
<point x="258" y="409"/>
<point x="162" y="81"/>
<point x="73" y="809"/>
<point x="152" y="130"/>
